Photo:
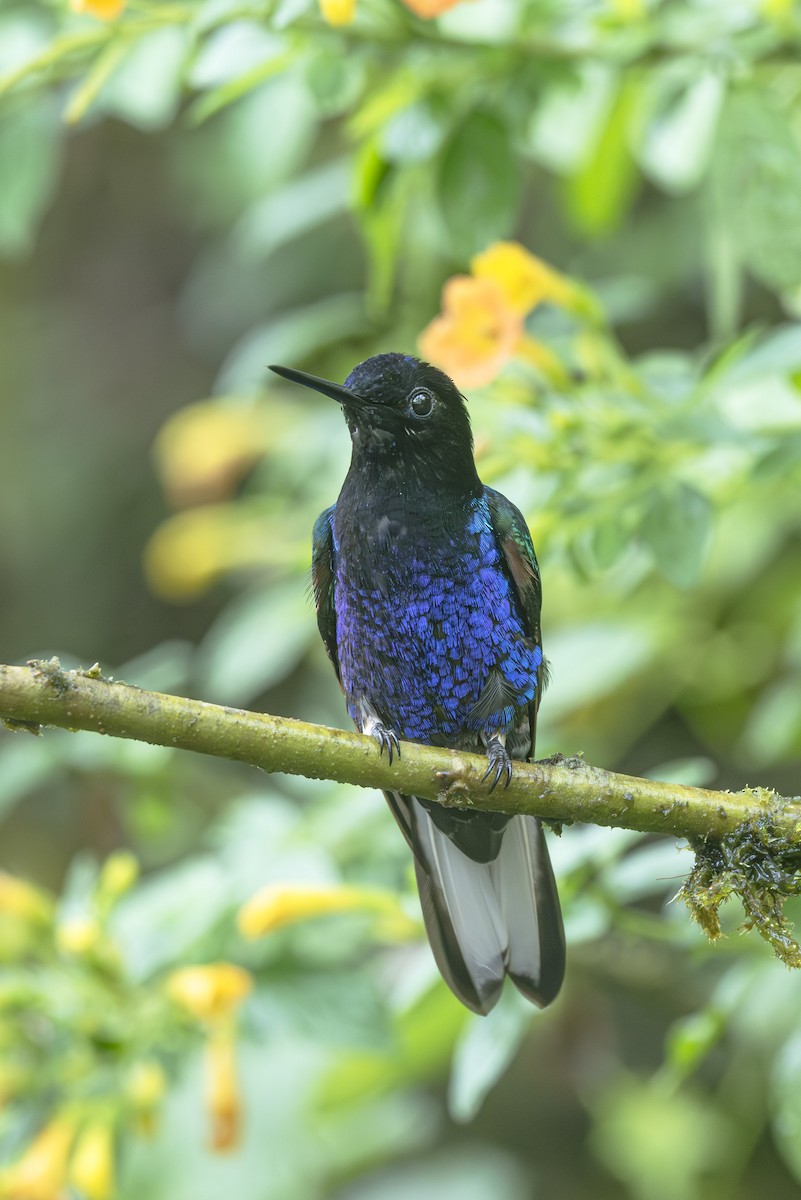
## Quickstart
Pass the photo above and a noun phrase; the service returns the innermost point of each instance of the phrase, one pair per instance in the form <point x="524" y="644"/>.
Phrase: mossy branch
<point x="560" y="790"/>
<point x="749" y="842"/>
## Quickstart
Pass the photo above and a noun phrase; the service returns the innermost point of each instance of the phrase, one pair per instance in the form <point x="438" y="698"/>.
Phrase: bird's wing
<point x="323" y="577"/>
<point x="514" y="541"/>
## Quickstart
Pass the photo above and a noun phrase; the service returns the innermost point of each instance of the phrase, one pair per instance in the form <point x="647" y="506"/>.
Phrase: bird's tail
<point x="487" y="919"/>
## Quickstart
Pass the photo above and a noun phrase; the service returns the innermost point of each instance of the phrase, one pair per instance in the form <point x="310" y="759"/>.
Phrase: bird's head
<point x="405" y="415"/>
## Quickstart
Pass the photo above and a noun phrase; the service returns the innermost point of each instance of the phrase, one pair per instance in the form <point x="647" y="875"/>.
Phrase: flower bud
<point x="92" y="1165"/>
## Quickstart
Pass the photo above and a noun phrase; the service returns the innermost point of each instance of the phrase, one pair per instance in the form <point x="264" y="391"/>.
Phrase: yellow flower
<point x="120" y="872"/>
<point x="221" y="1092"/>
<point x="210" y="992"/>
<point x="40" y="1174"/>
<point x="338" y="12"/>
<point x="476" y="334"/>
<point x="103" y="10"/>
<point x="629" y="10"/>
<point x="777" y="10"/>
<point x="428" y="9"/>
<point x="190" y="551"/>
<point x="92" y="1164"/>
<point x="205" y="449"/>
<point x="78" y="935"/>
<point x="145" y="1090"/>
<point x="280" y="904"/>
<point x="146" y="1084"/>
<point x="22" y="900"/>
<point x="525" y="280"/>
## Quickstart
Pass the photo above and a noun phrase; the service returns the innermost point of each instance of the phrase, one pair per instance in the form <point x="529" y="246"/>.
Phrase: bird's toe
<point x="499" y="764"/>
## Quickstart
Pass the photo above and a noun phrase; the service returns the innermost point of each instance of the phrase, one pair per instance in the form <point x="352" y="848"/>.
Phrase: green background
<point x="242" y="184"/>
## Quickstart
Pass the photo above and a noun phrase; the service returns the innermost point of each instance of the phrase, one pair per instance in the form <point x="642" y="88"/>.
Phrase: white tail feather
<point x="488" y="919"/>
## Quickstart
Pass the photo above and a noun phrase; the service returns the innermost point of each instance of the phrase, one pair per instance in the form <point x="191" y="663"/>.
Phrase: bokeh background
<point x="189" y="191"/>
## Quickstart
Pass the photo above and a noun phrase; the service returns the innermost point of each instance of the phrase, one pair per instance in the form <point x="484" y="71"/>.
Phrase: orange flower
<point x="476" y="334"/>
<point x="428" y="9"/>
<point x="210" y="992"/>
<point x="103" y="10"/>
<point x="338" y="12"/>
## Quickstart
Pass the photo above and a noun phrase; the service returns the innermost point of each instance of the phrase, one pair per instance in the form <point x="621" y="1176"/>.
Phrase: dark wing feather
<point x="323" y="576"/>
<point x="514" y="541"/>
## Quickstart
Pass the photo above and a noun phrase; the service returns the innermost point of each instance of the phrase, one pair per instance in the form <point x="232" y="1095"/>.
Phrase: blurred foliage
<point x="606" y="190"/>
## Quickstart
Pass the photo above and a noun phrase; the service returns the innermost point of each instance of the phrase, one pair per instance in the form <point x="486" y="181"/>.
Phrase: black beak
<point x="336" y="391"/>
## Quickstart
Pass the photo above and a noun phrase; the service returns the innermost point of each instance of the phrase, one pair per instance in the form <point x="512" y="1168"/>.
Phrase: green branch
<point x="747" y="843"/>
<point x="559" y="790"/>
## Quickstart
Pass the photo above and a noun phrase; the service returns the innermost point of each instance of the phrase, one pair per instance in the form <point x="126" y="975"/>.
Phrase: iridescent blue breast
<point x="429" y="632"/>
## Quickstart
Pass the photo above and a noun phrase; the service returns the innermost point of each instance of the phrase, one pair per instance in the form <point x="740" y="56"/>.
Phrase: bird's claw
<point x="387" y="740"/>
<point x="499" y="764"/>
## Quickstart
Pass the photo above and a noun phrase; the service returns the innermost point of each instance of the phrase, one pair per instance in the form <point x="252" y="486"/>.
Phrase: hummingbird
<point x="428" y="600"/>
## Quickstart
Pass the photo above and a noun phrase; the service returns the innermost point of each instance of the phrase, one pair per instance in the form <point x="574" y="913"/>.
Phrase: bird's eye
<point x="421" y="403"/>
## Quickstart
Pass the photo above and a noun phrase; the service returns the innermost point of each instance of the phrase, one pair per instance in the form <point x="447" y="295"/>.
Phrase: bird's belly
<point x="419" y="645"/>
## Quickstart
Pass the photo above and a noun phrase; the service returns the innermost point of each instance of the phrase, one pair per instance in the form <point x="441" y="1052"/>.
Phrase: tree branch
<point x="562" y="790"/>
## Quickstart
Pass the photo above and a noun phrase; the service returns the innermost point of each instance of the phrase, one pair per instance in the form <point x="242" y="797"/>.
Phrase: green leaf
<point x="570" y="117"/>
<point x="234" y="50"/>
<point x="30" y="156"/>
<point x="697" y="771"/>
<point x="677" y="527"/>
<point x="23" y="768"/>
<point x="415" y="134"/>
<point x="381" y="195"/>
<point x="690" y="1039"/>
<point x="300" y="205"/>
<point x="290" y="337"/>
<point x="758" y="176"/>
<point x="785" y="1103"/>
<point x="649" y="870"/>
<point x="600" y="194"/>
<point x="95" y="80"/>
<point x="255" y="643"/>
<point x="168" y="915"/>
<point x="468" y="1173"/>
<point x="591" y="660"/>
<point x="484" y="1051"/>
<point x="479" y="183"/>
<point x="146" y="87"/>
<point x="773" y="731"/>
<point x="335" y="82"/>
<point x="22" y="36"/>
<point x="659" y="1144"/>
<point x="677" y="142"/>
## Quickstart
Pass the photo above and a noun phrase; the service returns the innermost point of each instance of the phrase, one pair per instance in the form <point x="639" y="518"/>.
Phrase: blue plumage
<point x="443" y="615"/>
<point x="428" y="600"/>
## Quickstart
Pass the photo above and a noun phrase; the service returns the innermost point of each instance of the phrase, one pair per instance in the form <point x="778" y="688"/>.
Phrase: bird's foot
<point x="500" y="764"/>
<point x="387" y="738"/>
